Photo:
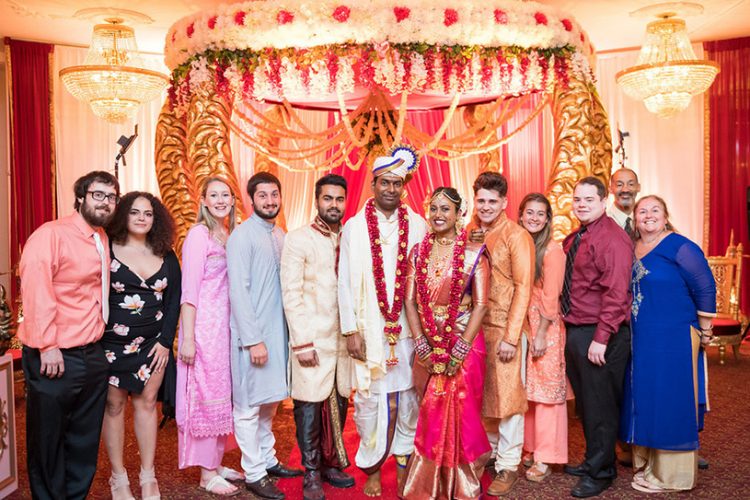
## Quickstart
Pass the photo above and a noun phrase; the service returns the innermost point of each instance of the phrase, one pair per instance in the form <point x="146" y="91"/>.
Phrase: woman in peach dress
<point x="546" y="421"/>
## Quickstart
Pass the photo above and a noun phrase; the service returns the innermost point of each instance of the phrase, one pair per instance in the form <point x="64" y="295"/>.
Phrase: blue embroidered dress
<point x="671" y="285"/>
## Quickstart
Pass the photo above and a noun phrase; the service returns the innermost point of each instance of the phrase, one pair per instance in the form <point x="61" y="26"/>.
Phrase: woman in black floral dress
<point x="144" y="305"/>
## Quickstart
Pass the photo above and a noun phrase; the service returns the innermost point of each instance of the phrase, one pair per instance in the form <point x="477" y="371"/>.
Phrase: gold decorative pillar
<point x="208" y="150"/>
<point x="473" y="113"/>
<point x="583" y="147"/>
<point x="176" y="180"/>
<point x="262" y="162"/>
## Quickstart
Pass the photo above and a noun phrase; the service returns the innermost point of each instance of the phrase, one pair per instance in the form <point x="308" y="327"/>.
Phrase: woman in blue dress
<point x="674" y="299"/>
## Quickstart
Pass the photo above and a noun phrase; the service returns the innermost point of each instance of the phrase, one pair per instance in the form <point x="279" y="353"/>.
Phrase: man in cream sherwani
<point x="320" y="364"/>
<point x="385" y="404"/>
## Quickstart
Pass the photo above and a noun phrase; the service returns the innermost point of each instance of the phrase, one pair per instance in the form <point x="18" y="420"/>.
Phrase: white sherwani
<point x="359" y="310"/>
<point x="310" y="290"/>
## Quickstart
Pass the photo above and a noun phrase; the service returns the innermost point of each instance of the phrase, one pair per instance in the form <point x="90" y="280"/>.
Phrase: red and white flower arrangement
<point x="299" y="48"/>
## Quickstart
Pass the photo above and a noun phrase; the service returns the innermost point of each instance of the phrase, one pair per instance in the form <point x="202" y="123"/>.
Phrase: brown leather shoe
<point x="337" y="478"/>
<point x="503" y="483"/>
<point x="312" y="486"/>
<point x="264" y="488"/>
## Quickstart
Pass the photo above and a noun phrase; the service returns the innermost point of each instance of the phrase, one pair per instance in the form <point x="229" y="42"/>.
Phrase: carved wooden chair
<point x="730" y="325"/>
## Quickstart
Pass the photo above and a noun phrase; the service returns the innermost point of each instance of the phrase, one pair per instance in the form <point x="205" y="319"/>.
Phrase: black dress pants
<point x="598" y="392"/>
<point x="315" y="435"/>
<point x="64" y="422"/>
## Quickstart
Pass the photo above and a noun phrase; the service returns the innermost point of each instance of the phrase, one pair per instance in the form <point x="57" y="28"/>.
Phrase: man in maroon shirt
<point x="595" y="304"/>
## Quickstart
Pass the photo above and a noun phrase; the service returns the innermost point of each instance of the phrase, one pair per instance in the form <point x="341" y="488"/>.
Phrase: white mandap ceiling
<point x="607" y="21"/>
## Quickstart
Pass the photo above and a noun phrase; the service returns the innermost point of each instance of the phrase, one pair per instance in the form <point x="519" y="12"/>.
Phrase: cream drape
<point x="667" y="154"/>
<point x="84" y="142"/>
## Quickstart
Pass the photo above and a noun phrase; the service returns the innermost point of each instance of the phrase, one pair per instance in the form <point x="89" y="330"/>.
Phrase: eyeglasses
<point x="101" y="196"/>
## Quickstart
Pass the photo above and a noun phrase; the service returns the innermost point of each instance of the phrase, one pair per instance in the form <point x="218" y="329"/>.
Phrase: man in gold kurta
<point x="511" y="252"/>
<point x="320" y="363"/>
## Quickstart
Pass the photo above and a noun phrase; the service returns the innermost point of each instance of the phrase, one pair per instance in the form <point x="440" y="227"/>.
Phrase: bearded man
<point x="372" y="278"/>
<point x="320" y="364"/>
<point x="65" y="292"/>
<point x="260" y="351"/>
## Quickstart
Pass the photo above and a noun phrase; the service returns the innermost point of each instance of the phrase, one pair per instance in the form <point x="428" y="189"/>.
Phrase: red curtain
<point x="729" y="101"/>
<point x="431" y="173"/>
<point x="32" y="165"/>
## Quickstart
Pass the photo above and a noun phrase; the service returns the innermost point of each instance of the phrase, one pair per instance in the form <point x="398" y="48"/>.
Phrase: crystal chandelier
<point x="113" y="80"/>
<point x="667" y="74"/>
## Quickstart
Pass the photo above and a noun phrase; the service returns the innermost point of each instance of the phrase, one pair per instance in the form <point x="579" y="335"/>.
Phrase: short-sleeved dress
<point x="142" y="312"/>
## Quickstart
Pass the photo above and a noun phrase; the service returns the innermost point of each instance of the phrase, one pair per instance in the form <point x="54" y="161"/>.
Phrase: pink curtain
<point x="729" y="101"/>
<point x="32" y="167"/>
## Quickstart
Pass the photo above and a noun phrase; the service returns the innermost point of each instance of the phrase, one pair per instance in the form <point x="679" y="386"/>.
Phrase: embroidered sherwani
<point x="382" y="391"/>
<point x="309" y="285"/>
<point x="511" y="252"/>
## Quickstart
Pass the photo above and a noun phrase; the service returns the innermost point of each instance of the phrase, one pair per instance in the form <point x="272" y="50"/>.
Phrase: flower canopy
<point x="311" y="52"/>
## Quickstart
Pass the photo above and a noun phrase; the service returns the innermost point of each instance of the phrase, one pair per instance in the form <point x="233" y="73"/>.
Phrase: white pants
<point x="371" y="418"/>
<point x="507" y="442"/>
<point x="252" y="430"/>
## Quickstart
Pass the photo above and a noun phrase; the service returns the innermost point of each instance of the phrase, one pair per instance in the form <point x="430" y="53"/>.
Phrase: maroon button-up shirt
<point x="600" y="285"/>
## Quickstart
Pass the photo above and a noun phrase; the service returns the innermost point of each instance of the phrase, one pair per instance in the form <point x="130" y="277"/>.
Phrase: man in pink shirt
<point x="64" y="287"/>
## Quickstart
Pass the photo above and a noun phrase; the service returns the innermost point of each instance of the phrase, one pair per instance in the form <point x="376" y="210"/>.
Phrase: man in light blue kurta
<point x="259" y="335"/>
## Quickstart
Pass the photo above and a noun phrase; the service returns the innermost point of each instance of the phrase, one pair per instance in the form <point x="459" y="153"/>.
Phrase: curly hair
<point x="162" y="234"/>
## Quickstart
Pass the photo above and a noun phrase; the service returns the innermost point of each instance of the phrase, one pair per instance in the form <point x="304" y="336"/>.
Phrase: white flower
<point x="114" y="266"/>
<point x="143" y="374"/>
<point x="133" y="303"/>
<point x="131" y="348"/>
<point x="159" y="287"/>
<point x="110" y="356"/>
<point x="121" y="330"/>
<point x="114" y="381"/>
<point x="159" y="315"/>
<point x="117" y="286"/>
<point x="138" y="340"/>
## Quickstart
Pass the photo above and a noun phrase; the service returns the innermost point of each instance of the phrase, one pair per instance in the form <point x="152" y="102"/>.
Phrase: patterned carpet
<point x="725" y="442"/>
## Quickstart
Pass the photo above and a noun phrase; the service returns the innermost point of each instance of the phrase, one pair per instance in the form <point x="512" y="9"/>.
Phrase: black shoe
<point x="312" y="486"/>
<point x="702" y="463"/>
<point x="279" y="470"/>
<point x="579" y="470"/>
<point x="337" y="478"/>
<point x="590" y="487"/>
<point x="264" y="488"/>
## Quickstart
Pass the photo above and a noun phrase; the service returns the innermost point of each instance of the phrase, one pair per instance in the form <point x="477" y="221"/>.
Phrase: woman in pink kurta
<point x="204" y="381"/>
<point x="546" y="421"/>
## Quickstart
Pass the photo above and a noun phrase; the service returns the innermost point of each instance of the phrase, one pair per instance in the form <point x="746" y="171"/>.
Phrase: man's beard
<point x="268" y="215"/>
<point x="95" y="220"/>
<point x="329" y="218"/>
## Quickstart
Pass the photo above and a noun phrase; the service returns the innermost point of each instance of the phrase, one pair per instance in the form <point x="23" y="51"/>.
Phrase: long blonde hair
<point x="660" y="201"/>
<point x="205" y="217"/>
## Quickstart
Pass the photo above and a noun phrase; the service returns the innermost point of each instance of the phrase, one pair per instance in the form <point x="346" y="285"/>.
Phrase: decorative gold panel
<point x="583" y="147"/>
<point x="473" y="114"/>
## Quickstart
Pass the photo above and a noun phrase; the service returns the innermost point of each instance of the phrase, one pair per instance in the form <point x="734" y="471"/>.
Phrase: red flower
<point x="341" y="13"/>
<point x="450" y="17"/>
<point x="401" y="13"/>
<point x="239" y="17"/>
<point x="583" y="38"/>
<point x="567" y="24"/>
<point x="212" y="22"/>
<point x="190" y="30"/>
<point x="284" y="17"/>
<point x="540" y="18"/>
<point x="501" y="17"/>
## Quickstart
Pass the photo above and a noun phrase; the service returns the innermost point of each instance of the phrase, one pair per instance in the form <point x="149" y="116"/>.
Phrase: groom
<point x="372" y="283"/>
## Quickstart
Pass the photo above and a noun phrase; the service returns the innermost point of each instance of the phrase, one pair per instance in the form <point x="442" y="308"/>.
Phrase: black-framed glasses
<point x="101" y="196"/>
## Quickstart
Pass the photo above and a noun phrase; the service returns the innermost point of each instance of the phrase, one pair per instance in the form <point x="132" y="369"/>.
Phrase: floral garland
<point x="440" y="338"/>
<point x="296" y="50"/>
<point x="391" y="315"/>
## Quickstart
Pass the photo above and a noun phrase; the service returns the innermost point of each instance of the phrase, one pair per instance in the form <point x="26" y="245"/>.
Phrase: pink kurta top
<point x="545" y="376"/>
<point x="204" y="390"/>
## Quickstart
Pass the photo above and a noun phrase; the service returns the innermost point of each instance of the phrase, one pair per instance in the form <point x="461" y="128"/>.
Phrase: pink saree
<point x="451" y="446"/>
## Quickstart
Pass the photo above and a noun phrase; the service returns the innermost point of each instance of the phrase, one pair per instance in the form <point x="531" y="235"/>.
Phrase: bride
<point x="446" y="296"/>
